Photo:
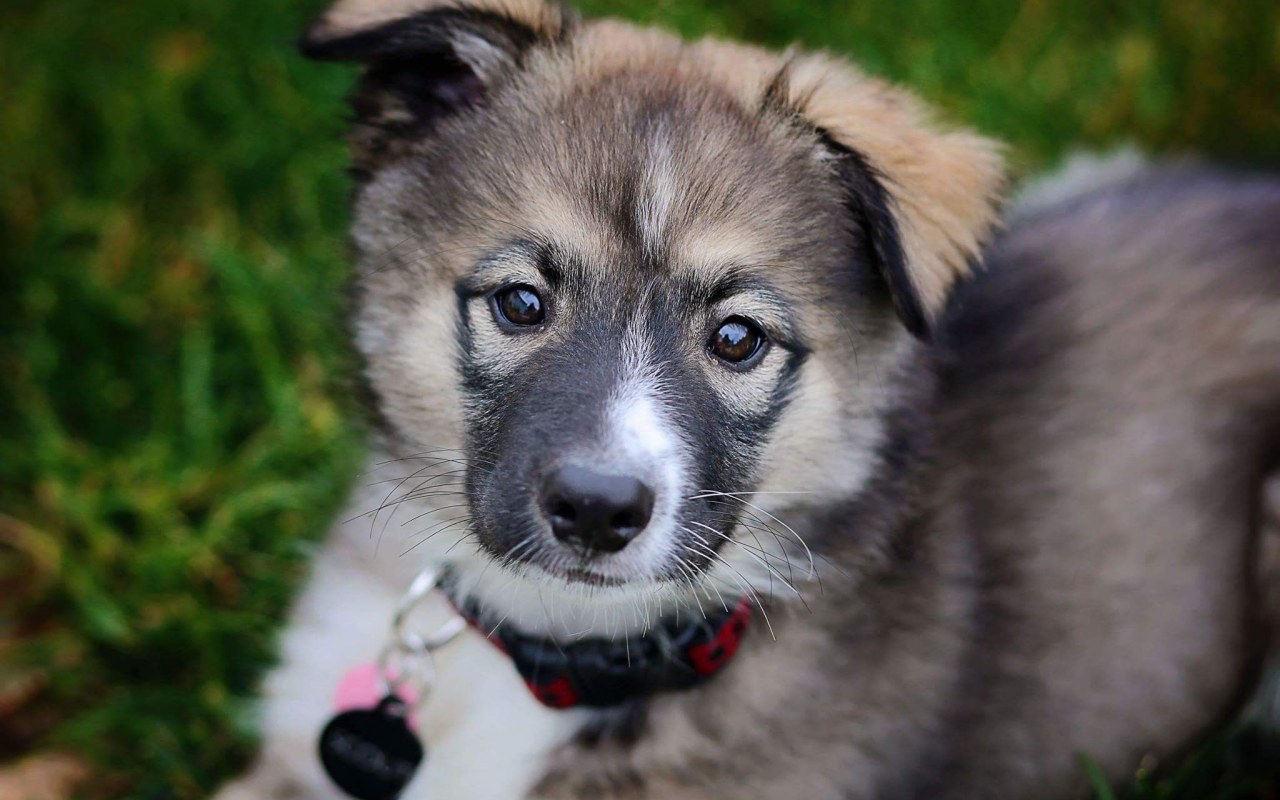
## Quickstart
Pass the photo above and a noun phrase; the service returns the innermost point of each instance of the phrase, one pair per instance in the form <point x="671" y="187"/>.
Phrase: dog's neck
<point x="673" y="654"/>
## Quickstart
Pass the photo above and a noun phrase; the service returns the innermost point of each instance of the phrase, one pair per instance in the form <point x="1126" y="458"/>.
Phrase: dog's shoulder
<point x="1127" y="251"/>
<point x="1108" y="392"/>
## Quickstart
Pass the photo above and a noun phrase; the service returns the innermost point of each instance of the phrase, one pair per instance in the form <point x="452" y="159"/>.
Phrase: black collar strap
<point x="599" y="673"/>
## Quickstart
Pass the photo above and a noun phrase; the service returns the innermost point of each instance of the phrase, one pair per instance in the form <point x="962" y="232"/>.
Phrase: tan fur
<point x="947" y="183"/>
<point x="1035" y="535"/>
<point x="347" y="17"/>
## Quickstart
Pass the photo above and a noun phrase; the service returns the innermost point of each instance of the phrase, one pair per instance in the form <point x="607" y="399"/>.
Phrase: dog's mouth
<point x="585" y="576"/>
<point x="575" y="568"/>
<point x="643" y="564"/>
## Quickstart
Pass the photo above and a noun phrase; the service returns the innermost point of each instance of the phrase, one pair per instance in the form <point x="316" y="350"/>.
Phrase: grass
<point x="174" y="429"/>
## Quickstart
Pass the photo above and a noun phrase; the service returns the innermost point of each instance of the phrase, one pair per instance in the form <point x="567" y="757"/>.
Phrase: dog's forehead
<point x="636" y="171"/>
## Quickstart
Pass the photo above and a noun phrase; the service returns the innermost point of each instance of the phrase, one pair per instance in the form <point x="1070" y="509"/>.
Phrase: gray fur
<point x="1037" y="531"/>
<point x="1068" y="560"/>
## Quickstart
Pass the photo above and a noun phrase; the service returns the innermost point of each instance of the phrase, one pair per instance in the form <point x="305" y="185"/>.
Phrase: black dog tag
<point x="371" y="753"/>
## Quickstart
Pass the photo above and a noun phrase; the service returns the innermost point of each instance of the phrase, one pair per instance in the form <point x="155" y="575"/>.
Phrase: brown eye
<point x="737" y="341"/>
<point x="519" y="305"/>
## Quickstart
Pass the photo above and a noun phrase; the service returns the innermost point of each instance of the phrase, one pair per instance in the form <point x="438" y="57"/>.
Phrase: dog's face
<point x="635" y="281"/>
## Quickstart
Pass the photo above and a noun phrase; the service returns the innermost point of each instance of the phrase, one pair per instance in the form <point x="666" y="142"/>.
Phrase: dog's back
<point x="1110" y="406"/>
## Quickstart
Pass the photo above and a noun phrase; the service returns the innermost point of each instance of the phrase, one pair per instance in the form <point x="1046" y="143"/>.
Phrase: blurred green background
<point x="174" y="427"/>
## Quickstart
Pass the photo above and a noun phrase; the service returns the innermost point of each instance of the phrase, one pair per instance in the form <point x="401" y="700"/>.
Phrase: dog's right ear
<point x="427" y="59"/>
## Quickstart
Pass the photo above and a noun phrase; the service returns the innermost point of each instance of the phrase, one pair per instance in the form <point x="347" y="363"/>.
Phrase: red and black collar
<point x="598" y="673"/>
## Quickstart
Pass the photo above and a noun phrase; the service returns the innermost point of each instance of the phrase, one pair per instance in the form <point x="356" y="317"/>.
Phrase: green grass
<point x="174" y="428"/>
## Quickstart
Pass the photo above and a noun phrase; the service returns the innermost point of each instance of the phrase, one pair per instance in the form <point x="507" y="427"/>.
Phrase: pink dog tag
<point x="361" y="687"/>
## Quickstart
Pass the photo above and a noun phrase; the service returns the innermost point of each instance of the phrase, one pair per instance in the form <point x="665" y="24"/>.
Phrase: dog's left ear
<point x="486" y="35"/>
<point x="426" y="60"/>
<point x="924" y="199"/>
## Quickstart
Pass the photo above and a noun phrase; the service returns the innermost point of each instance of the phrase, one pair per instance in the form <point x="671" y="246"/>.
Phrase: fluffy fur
<point x="988" y="522"/>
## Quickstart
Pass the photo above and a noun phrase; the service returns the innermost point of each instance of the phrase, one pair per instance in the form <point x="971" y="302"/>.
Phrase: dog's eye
<point x="738" y="342"/>
<point x="519" y="305"/>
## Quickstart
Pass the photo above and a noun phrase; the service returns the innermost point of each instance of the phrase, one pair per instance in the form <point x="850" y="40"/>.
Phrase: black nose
<point x="599" y="512"/>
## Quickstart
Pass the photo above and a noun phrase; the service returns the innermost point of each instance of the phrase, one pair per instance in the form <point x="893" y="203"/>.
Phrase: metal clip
<point x="406" y="658"/>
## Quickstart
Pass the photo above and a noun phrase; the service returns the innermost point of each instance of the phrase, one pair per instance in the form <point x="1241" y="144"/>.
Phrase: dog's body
<point x="1033" y="528"/>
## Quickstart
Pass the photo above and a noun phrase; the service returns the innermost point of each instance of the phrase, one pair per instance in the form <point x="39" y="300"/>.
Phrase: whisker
<point x="448" y="524"/>
<point x="763" y="527"/>
<point x="386" y="499"/>
<point x="751" y="552"/>
<point x="763" y="551"/>
<point x="763" y="563"/>
<point x="684" y="570"/>
<point x="723" y="603"/>
<point x="748" y="591"/>
<point x="711" y="493"/>
<point x="418" y="456"/>
<point x="433" y="510"/>
<point x="788" y="528"/>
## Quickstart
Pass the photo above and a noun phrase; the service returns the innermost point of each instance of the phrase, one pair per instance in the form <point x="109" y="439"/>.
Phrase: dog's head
<point x="634" y="279"/>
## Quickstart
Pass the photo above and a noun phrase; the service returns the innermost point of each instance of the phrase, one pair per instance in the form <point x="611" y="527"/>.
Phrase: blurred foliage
<point x="172" y="221"/>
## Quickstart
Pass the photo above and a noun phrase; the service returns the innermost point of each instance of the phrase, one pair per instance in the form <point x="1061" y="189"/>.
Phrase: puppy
<point x="749" y="483"/>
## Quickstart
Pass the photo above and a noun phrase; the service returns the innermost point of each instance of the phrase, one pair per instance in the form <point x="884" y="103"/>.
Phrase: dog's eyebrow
<point x="520" y="256"/>
<point x="738" y="288"/>
<point x="731" y="281"/>
<point x="735" y="283"/>
<point x="548" y="260"/>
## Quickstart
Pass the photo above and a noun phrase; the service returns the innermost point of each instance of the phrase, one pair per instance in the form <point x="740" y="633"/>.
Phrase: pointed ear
<point x="924" y="199"/>
<point x="426" y="59"/>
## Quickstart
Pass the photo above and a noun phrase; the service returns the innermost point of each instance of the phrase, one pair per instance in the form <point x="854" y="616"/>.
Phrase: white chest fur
<point x="488" y="738"/>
